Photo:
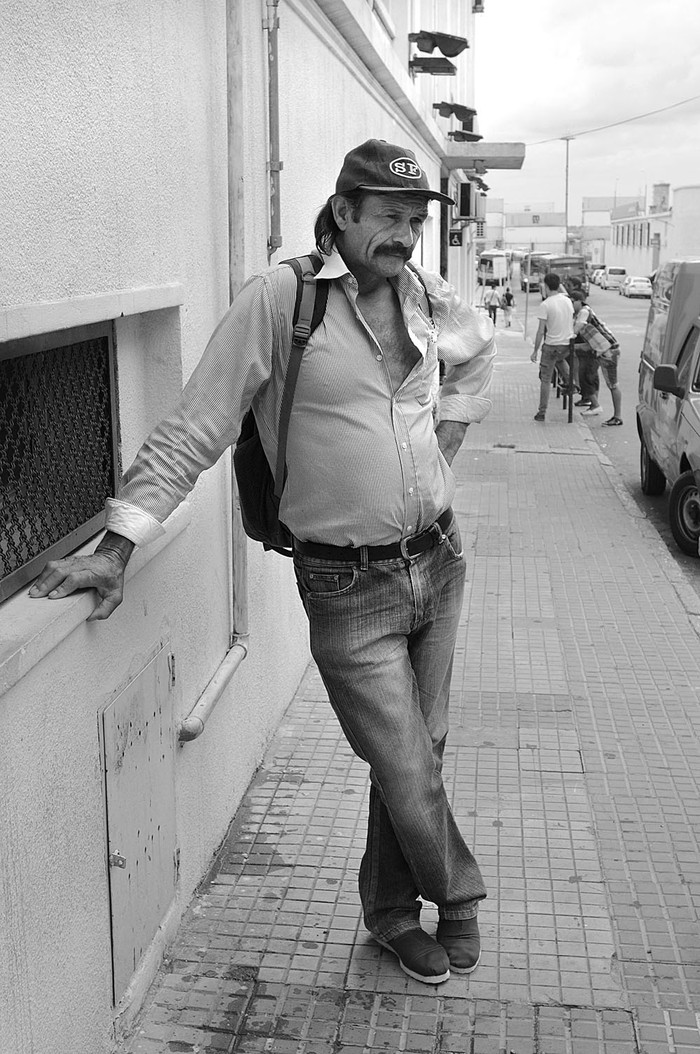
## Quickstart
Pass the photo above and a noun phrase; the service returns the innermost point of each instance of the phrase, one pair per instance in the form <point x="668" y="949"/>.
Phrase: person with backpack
<point x="604" y="351"/>
<point x="367" y="501"/>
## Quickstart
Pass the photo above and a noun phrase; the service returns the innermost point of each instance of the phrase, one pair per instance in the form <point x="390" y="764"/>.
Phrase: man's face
<point x="379" y="237"/>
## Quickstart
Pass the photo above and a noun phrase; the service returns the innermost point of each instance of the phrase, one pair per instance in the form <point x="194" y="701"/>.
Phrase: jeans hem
<point x="458" y="914"/>
<point x="398" y="930"/>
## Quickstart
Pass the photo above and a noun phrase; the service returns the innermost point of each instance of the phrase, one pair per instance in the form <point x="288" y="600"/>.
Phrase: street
<point x="627" y="319"/>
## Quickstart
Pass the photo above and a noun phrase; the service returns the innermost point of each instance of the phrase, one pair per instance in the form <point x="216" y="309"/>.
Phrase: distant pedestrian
<point x="607" y="353"/>
<point x="493" y="302"/>
<point x="586" y="358"/>
<point x="508" y="304"/>
<point x="573" y="285"/>
<point x="554" y="333"/>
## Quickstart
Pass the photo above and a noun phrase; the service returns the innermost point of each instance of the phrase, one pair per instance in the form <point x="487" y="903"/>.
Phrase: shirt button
<point x="379" y="358"/>
<point x="410" y="527"/>
<point x="404" y="446"/>
<point x="410" y="490"/>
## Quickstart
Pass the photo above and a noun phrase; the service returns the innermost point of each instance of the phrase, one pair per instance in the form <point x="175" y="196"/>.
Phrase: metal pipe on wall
<point x="274" y="163"/>
<point x="193" y="725"/>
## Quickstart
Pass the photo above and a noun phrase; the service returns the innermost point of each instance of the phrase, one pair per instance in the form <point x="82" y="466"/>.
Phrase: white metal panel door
<point x="139" y="765"/>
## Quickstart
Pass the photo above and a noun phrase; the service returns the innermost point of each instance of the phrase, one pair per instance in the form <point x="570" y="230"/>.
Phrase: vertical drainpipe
<point x="444" y="227"/>
<point x="193" y="725"/>
<point x="271" y="24"/>
<point x="237" y="276"/>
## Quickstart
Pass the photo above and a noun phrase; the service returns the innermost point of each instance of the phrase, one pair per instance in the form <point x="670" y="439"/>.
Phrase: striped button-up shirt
<point x="364" y="466"/>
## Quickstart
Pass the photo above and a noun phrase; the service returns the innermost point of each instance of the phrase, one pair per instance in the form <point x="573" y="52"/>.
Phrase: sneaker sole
<point x="425" y="978"/>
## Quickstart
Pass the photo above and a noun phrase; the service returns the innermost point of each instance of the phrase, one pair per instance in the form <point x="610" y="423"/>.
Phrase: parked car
<point x="668" y="411"/>
<point x="596" y="275"/>
<point x="612" y="277"/>
<point x="635" y="285"/>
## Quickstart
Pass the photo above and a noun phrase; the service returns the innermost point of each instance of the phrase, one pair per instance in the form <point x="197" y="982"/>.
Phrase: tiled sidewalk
<point x="574" y="770"/>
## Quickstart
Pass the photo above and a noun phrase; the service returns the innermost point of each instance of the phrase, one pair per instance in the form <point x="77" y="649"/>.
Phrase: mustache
<point x="394" y="250"/>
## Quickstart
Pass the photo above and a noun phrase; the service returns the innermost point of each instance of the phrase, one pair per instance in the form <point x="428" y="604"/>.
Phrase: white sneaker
<point x="592" y="411"/>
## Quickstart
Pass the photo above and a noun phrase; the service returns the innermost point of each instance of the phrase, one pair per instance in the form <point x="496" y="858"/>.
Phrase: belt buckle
<point x="403" y="547"/>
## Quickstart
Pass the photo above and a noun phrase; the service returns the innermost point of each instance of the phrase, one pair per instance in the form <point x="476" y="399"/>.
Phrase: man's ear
<point x="341" y="211"/>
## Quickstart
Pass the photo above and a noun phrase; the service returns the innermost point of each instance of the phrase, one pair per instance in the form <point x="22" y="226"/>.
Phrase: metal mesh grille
<point x="57" y="460"/>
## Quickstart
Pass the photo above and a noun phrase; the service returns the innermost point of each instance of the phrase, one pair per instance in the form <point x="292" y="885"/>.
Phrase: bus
<point x="567" y="267"/>
<point x="530" y="274"/>
<point x="492" y="268"/>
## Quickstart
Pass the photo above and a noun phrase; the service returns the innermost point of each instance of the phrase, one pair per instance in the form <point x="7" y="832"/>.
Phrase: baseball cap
<point x="383" y="168"/>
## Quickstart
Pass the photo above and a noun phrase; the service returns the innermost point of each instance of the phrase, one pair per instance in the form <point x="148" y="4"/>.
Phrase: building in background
<point x="156" y="155"/>
<point x="640" y="238"/>
<point x="595" y="224"/>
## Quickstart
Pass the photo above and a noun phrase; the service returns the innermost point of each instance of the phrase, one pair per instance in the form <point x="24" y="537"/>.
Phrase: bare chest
<point x="382" y="314"/>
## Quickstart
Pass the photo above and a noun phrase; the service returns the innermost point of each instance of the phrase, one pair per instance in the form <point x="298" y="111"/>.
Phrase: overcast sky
<point x="546" y="69"/>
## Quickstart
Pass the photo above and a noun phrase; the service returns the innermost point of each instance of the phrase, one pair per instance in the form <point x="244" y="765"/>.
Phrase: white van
<point x="612" y="277"/>
<point x="668" y="412"/>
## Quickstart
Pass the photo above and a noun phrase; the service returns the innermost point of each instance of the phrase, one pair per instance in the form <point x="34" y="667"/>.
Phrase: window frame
<point x="20" y="348"/>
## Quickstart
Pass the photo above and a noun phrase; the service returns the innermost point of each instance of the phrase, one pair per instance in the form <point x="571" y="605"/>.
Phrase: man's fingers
<point x="60" y="583"/>
<point x="105" y="608"/>
<point x="50" y="577"/>
<point x="60" y="578"/>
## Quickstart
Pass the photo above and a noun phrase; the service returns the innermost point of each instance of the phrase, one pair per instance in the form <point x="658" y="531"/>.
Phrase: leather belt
<point x="406" y="548"/>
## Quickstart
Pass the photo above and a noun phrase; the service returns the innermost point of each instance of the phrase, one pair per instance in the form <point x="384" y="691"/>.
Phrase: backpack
<point x="598" y="337"/>
<point x="259" y="492"/>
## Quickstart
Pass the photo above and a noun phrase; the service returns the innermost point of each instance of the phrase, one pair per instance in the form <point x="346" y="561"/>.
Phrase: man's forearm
<point x="116" y="544"/>
<point x="450" y="436"/>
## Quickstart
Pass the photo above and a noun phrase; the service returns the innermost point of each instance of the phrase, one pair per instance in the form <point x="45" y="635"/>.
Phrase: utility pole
<point x="567" y="139"/>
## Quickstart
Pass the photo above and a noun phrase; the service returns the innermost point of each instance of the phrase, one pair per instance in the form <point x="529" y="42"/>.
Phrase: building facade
<point x="155" y="155"/>
<point x="640" y="237"/>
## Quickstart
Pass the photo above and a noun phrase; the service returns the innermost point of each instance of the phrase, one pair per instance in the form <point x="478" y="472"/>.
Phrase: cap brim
<point x="433" y="195"/>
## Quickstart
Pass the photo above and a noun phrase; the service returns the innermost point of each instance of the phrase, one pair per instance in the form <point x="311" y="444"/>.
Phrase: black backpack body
<point x="259" y="492"/>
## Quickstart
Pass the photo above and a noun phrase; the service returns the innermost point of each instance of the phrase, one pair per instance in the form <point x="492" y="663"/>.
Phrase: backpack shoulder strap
<point x="309" y="309"/>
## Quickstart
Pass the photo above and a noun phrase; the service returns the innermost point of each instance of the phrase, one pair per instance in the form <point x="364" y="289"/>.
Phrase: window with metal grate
<point x="58" y="446"/>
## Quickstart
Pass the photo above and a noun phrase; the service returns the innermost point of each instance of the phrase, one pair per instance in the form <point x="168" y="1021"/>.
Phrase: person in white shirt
<point x="554" y="334"/>
<point x="493" y="302"/>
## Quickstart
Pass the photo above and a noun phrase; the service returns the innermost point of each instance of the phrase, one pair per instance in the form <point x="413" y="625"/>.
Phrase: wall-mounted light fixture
<point x="463" y="136"/>
<point x="449" y="45"/>
<point x="436" y="66"/>
<point x="478" y="7"/>
<point x="462" y="113"/>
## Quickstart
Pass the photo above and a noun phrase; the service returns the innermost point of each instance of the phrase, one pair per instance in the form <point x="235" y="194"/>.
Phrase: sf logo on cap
<point x="405" y="167"/>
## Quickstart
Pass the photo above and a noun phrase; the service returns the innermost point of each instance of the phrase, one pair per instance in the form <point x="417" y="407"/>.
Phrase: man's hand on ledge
<point x="103" y="572"/>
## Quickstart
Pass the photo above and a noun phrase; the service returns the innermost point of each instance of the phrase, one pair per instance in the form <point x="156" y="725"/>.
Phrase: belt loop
<point x="364" y="558"/>
<point x="436" y="530"/>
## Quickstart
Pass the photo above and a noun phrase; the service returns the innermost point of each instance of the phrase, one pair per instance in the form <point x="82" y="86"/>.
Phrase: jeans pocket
<point x="453" y="541"/>
<point x="321" y="583"/>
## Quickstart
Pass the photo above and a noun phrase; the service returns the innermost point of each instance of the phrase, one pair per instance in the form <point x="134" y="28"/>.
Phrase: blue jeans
<point x="383" y="639"/>
<point x="553" y="355"/>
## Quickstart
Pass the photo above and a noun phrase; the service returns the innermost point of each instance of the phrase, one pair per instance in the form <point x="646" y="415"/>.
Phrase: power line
<point x="615" y="124"/>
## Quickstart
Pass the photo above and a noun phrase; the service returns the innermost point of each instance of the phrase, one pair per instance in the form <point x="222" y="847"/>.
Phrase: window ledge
<point x="28" y="320"/>
<point x="30" y="629"/>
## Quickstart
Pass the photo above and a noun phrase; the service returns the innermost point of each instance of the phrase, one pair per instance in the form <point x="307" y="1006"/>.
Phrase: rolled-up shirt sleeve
<point x="467" y="346"/>
<point x="235" y="366"/>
